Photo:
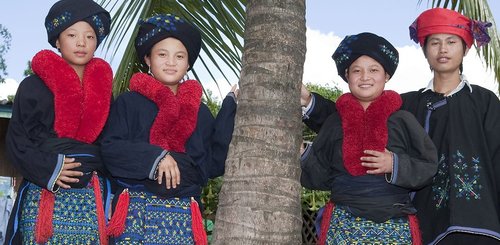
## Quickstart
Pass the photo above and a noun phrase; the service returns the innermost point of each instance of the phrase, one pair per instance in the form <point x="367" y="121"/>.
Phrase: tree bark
<point x="259" y="202"/>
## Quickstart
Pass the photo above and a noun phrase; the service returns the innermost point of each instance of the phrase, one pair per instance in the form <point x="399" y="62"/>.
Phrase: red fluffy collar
<point x="80" y="111"/>
<point x="364" y="130"/>
<point x="177" y="115"/>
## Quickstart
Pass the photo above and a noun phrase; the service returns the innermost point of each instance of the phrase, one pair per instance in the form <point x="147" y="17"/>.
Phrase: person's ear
<point x="387" y="77"/>
<point x="58" y="46"/>
<point x="466" y="51"/>
<point x="147" y="59"/>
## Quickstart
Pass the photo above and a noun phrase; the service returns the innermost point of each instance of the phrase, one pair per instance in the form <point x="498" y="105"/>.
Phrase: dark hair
<point x="464" y="47"/>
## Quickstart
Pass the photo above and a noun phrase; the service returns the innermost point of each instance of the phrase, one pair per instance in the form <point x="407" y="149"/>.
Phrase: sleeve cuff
<point x="306" y="111"/>
<point x="392" y="177"/>
<point x="232" y="95"/>
<point x="154" y="169"/>
<point x="307" y="150"/>
<point x="51" y="186"/>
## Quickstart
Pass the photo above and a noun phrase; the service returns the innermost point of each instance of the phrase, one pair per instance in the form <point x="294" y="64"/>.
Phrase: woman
<point x="58" y="114"/>
<point x="462" y="204"/>
<point x="161" y="143"/>
<point x="369" y="153"/>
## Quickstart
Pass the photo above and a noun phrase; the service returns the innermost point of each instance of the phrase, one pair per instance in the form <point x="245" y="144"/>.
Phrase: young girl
<point x="57" y="116"/>
<point x="369" y="153"/>
<point x="462" y="206"/>
<point x="161" y="143"/>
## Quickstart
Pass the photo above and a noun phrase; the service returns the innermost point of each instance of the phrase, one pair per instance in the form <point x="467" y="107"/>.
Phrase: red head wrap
<point x="441" y="20"/>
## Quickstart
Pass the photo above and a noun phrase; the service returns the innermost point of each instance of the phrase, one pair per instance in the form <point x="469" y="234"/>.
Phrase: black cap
<point x="65" y="13"/>
<point x="354" y="46"/>
<point x="159" y="27"/>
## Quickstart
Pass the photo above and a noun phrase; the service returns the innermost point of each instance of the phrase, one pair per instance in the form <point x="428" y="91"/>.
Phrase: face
<point x="445" y="52"/>
<point x="77" y="44"/>
<point x="366" y="78"/>
<point x="168" y="61"/>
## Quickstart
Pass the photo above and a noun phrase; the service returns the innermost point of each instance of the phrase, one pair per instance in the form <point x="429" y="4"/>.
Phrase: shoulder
<point x="411" y="94"/>
<point x="333" y="123"/>
<point x="133" y="99"/>
<point x="401" y="115"/>
<point x="204" y="111"/>
<point x="402" y="118"/>
<point x="480" y="98"/>
<point x="482" y="92"/>
<point x="32" y="82"/>
<point x="33" y="86"/>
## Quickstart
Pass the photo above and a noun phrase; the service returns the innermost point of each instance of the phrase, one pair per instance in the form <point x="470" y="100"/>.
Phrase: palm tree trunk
<point x="260" y="197"/>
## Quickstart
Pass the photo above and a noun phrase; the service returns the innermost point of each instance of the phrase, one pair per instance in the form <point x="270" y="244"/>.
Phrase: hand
<point x="378" y="162"/>
<point x="235" y="90"/>
<point x="168" y="168"/>
<point x="305" y="96"/>
<point x="67" y="173"/>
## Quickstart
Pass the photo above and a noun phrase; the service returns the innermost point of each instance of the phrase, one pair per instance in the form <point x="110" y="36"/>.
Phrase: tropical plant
<point x="28" y="71"/>
<point x="220" y="22"/>
<point x="260" y="197"/>
<point x="4" y="48"/>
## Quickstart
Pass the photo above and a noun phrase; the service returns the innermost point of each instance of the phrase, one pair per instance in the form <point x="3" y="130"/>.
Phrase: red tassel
<point x="416" y="236"/>
<point x="117" y="224"/>
<point x="199" y="234"/>
<point x="325" y="222"/>
<point x="43" y="227"/>
<point x="101" y="219"/>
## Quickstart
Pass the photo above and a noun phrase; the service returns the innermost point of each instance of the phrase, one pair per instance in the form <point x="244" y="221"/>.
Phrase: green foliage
<point x="211" y="102"/>
<point x="314" y="200"/>
<point x="210" y="197"/>
<point x="4" y="48"/>
<point x="28" y="71"/>
<point x="10" y="99"/>
<point x="221" y="24"/>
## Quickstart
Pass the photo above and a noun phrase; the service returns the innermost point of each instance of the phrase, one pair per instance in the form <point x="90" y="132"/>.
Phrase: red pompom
<point x="117" y="224"/>
<point x="199" y="234"/>
<point x="43" y="227"/>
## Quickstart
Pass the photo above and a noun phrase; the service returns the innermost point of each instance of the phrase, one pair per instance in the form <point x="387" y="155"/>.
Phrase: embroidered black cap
<point x="159" y="27"/>
<point x="354" y="46"/>
<point x="65" y="13"/>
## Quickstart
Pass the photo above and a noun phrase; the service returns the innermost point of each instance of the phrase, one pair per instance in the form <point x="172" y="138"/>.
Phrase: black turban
<point x="369" y="44"/>
<point x="65" y="13"/>
<point x="159" y="27"/>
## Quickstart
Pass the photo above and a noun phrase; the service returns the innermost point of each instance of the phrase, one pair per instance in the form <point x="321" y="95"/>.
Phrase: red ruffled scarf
<point x="177" y="115"/>
<point x="80" y="114"/>
<point x="80" y="111"/>
<point x="364" y="130"/>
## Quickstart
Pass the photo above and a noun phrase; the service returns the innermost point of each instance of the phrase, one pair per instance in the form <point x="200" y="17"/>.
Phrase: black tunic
<point x="36" y="150"/>
<point x="130" y="157"/>
<point x="464" y="196"/>
<point x="371" y="196"/>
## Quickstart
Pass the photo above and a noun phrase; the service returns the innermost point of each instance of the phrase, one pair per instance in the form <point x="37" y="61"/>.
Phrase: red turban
<point x="441" y="20"/>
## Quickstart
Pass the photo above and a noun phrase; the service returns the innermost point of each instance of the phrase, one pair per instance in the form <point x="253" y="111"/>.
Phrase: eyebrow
<point x="73" y="29"/>
<point x="162" y="49"/>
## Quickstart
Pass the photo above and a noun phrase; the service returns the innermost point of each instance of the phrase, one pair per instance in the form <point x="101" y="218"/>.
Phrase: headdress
<point x="376" y="47"/>
<point x="65" y="13"/>
<point x="441" y="20"/>
<point x="159" y="27"/>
